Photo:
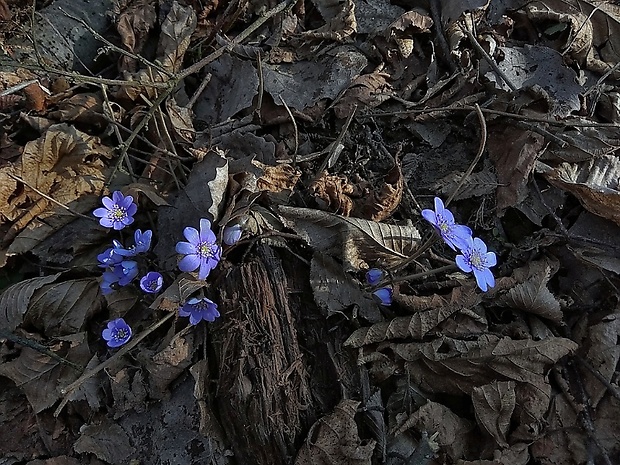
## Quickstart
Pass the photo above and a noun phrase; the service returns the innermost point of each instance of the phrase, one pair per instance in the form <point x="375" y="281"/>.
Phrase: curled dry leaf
<point x="494" y="404"/>
<point x="107" y="440"/>
<point x="334" y="193"/>
<point x="603" y="354"/>
<point x="15" y="300"/>
<point x="338" y="27"/>
<point x="335" y="439"/>
<point x="367" y="90"/>
<point x="379" y="204"/>
<point x="40" y="376"/>
<point x="595" y="183"/>
<point x="133" y="21"/>
<point x="277" y="179"/>
<point x="356" y="241"/>
<point x="438" y="309"/>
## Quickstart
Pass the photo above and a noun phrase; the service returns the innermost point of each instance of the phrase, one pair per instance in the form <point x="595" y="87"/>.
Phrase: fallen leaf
<point x="494" y="404"/>
<point x="107" y="440"/>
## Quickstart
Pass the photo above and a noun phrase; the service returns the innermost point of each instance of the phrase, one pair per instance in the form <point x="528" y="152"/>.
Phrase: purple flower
<point x="118" y="212"/>
<point x="152" y="282"/>
<point x="117" y="333"/>
<point x="455" y="235"/>
<point x="199" y="309"/>
<point x="232" y="234"/>
<point x="110" y="257"/>
<point x="383" y="296"/>
<point x="476" y="258"/>
<point x="201" y="250"/>
<point x="121" y="275"/>
<point x="373" y="276"/>
<point x="142" y="243"/>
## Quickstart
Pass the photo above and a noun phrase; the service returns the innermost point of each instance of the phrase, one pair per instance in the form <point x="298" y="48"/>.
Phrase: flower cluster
<point x="201" y="252"/>
<point x="383" y="295"/>
<point x="474" y="256"/>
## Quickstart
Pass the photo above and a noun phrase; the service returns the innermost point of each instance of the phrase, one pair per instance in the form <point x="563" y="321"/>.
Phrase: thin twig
<point x="4" y="334"/>
<point x="54" y="201"/>
<point x="290" y="114"/>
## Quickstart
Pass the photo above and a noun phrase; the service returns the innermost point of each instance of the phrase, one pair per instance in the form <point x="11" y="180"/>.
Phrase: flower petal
<point x="185" y="248"/>
<point x="490" y="259"/>
<point x="127" y="202"/>
<point x="429" y="215"/>
<point x="205" y="224"/>
<point x="205" y="268"/>
<point x="194" y="318"/>
<point x="189" y="263"/>
<point x="448" y="216"/>
<point x="439" y="207"/>
<point x="463" y="264"/>
<point x="480" y="245"/>
<point x="132" y="209"/>
<point x="191" y="234"/>
<point x="107" y="334"/>
<point x="101" y="212"/>
<point x="108" y="203"/>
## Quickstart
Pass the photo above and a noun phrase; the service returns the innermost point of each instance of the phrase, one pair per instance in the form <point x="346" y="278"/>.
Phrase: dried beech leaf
<point x="65" y="307"/>
<point x="418" y="325"/>
<point x="176" y="31"/>
<point x="355" y="240"/>
<point x="604" y="354"/>
<point x="15" y="300"/>
<point x="167" y="364"/>
<point x="108" y="441"/>
<point x="41" y="377"/>
<point x="451" y="429"/>
<point x="335" y="439"/>
<point x="493" y="405"/>
<point x="476" y="184"/>
<point x="532" y="294"/>
<point x="334" y="291"/>
<point x="595" y="183"/>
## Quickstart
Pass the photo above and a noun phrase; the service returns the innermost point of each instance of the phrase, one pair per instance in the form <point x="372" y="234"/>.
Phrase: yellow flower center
<point x="118" y="213"/>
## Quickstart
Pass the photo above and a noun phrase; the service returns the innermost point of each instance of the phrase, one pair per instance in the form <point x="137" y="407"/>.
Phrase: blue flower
<point x="120" y="275"/>
<point x="199" y="309"/>
<point x="476" y="258"/>
<point x="152" y="282"/>
<point x="232" y="234"/>
<point x="142" y="244"/>
<point x="110" y="257"/>
<point x="118" y="212"/>
<point x="442" y="219"/>
<point x="383" y="296"/>
<point x="117" y="333"/>
<point x="201" y="250"/>
<point x="373" y="276"/>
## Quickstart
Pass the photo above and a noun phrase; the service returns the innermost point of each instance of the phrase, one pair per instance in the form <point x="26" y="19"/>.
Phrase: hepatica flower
<point x="152" y="282"/>
<point x="476" y="259"/>
<point x="383" y="296"/>
<point x="121" y="275"/>
<point x="232" y="234"/>
<point x="373" y="276"/>
<point x="201" y="251"/>
<point x="142" y="243"/>
<point x="118" y="212"/>
<point x="442" y="219"/>
<point x="199" y="309"/>
<point x="117" y="333"/>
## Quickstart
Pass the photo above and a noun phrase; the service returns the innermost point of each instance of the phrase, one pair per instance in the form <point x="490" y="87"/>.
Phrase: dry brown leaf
<point x="335" y="439"/>
<point x="368" y="90"/>
<point x="338" y="27"/>
<point x="531" y="294"/>
<point x="176" y="31"/>
<point x="603" y="354"/>
<point x="334" y="291"/>
<point x="181" y="119"/>
<point x="107" y="440"/>
<point x="15" y="300"/>
<point x="452" y="430"/>
<point x="40" y="376"/>
<point x="333" y="193"/>
<point x="277" y="179"/>
<point x="494" y="404"/>
<point x="356" y="241"/>
<point x="65" y="307"/>
<point x="84" y="108"/>
<point x="595" y="183"/>
<point x="514" y="152"/>
<point x="133" y="19"/>
<point x="438" y="309"/>
<point x="380" y="203"/>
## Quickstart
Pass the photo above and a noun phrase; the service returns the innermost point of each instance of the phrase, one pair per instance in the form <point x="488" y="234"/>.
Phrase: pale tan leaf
<point x="355" y="240"/>
<point x="176" y="31"/>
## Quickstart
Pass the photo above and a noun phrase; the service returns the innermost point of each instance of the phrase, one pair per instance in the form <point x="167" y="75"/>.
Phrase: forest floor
<point x="393" y="226"/>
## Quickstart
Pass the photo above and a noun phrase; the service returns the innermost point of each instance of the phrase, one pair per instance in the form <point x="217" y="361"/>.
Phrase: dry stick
<point x="552" y="122"/>
<point x="488" y="58"/>
<point x="56" y="202"/>
<point x="38" y="347"/>
<point x="290" y="114"/>
<point x="332" y="156"/>
<point x="67" y="391"/>
<point x="597" y="374"/>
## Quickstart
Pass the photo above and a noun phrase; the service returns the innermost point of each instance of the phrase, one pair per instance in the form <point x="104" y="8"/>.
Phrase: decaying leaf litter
<point x="320" y="130"/>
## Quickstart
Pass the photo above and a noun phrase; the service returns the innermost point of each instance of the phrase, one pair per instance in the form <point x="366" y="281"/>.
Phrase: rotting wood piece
<point x="263" y="389"/>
